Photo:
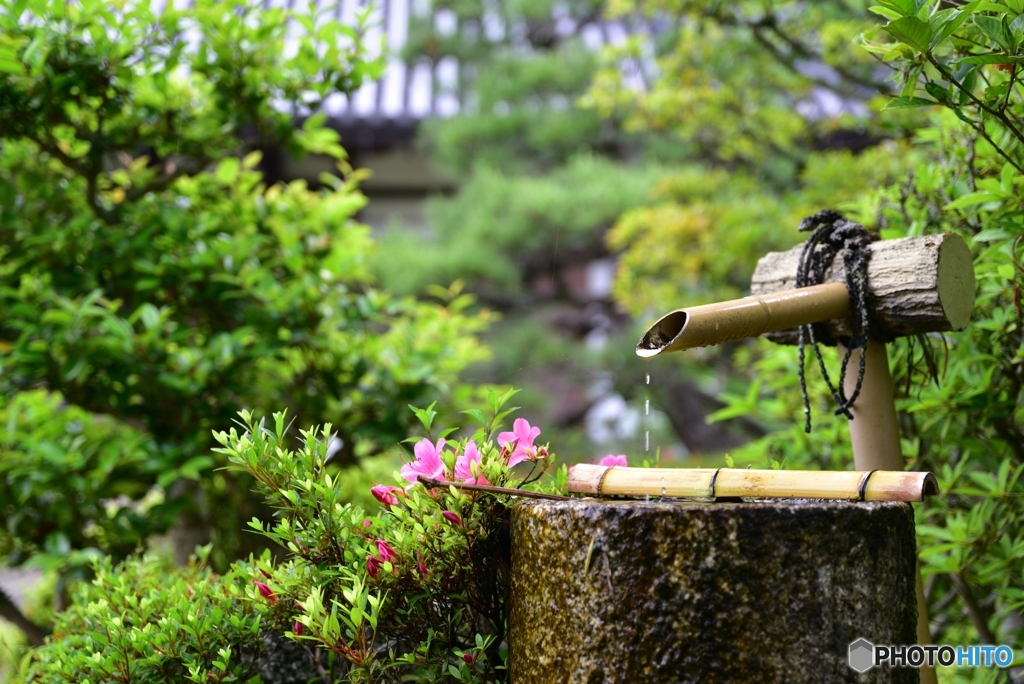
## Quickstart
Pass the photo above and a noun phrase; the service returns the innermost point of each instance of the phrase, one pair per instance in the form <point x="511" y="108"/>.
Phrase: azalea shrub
<point x="417" y="589"/>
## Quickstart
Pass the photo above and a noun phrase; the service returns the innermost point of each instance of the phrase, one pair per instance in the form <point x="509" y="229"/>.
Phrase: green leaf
<point x="886" y="12"/>
<point x="477" y="415"/>
<point x="1007" y="271"/>
<point x="938" y="92"/>
<point x="972" y="199"/>
<point x="944" y="23"/>
<point x="11" y="66"/>
<point x="447" y="431"/>
<point x="995" y="29"/>
<point x="911" y="31"/>
<point x="991" y="235"/>
<point x="194" y="466"/>
<point x="227" y="171"/>
<point x="904" y="7"/>
<point x="995" y="58"/>
<point x="908" y="102"/>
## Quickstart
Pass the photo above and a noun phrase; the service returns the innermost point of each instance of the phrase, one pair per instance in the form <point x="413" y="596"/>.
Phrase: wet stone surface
<point x="690" y="592"/>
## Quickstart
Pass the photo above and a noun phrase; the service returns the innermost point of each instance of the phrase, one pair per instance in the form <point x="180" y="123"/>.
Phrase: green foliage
<point x="73" y="483"/>
<point x="151" y="279"/>
<point x="141" y="622"/>
<point x="733" y="77"/>
<point x="418" y="588"/>
<point x="415" y="590"/>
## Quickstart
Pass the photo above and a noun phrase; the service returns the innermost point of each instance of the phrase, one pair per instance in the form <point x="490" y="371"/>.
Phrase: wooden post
<point x="875" y="436"/>
<point x="873" y="431"/>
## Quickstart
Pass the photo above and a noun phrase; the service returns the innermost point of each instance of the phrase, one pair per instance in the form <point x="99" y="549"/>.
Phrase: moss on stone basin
<point x="630" y="591"/>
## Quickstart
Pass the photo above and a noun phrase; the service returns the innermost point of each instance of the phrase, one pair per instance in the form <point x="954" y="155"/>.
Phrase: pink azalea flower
<point x="464" y="466"/>
<point x="611" y="460"/>
<point x="452" y="518"/>
<point x="297" y="628"/>
<point x="428" y="462"/>
<point x="373" y="566"/>
<point x="265" y="591"/>
<point x="520" y="441"/>
<point x="386" y="494"/>
<point x="387" y="553"/>
<point x="367" y="523"/>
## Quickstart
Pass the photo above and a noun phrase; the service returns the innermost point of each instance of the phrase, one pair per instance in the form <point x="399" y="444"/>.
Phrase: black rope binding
<point x="830" y="234"/>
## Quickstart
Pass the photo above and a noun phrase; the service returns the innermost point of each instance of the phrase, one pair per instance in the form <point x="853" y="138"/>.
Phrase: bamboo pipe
<point x="702" y="326"/>
<point x="875" y="485"/>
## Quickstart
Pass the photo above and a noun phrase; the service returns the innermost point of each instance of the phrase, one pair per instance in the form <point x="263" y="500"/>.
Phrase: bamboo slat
<point x="875" y="485"/>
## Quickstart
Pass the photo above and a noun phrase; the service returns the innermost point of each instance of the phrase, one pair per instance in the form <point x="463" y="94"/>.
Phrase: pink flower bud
<point x="467" y="658"/>
<point x="387" y="553"/>
<point x="265" y="591"/>
<point x="386" y="495"/>
<point x="265" y="573"/>
<point x="373" y="565"/>
<point x="298" y="628"/>
<point x="452" y="518"/>
<point x="367" y="523"/>
<point x="423" y="569"/>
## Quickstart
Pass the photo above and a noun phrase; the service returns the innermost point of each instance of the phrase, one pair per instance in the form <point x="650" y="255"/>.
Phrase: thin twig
<point x="431" y="483"/>
<point x="981" y="105"/>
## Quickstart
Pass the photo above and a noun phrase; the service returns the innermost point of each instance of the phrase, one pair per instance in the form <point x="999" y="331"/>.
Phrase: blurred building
<point x="378" y="123"/>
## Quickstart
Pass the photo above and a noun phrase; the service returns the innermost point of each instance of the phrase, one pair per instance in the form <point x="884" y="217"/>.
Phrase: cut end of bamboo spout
<point x="661" y="334"/>
<point x="930" y="486"/>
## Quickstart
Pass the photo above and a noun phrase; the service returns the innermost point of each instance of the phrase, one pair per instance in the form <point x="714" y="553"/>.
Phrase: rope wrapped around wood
<point x="831" y="233"/>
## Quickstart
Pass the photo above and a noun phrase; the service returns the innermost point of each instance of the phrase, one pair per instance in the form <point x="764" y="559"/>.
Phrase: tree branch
<point x="1003" y="119"/>
<point x="431" y="483"/>
<point x="9" y="611"/>
<point x="974" y="611"/>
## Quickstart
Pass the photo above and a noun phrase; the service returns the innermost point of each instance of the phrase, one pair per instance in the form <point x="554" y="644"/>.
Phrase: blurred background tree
<point x="152" y="284"/>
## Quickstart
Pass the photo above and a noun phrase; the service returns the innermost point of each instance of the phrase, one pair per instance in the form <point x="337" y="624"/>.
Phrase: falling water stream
<point x="647" y="420"/>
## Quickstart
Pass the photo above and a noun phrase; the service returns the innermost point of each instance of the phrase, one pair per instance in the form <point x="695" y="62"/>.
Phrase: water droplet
<point x="647" y="441"/>
<point x="662" y="488"/>
<point x="648" y="378"/>
<point x="647" y="407"/>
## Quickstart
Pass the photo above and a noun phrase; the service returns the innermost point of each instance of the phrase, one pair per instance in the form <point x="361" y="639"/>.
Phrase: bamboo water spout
<point x="914" y="285"/>
<point x="711" y="324"/>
